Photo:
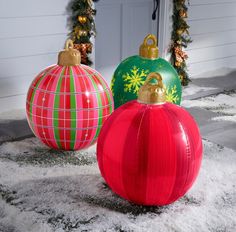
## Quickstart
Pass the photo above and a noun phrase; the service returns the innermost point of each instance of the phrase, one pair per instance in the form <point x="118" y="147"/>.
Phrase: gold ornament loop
<point x="155" y="76"/>
<point x="70" y="56"/>
<point x="152" y="38"/>
<point x="152" y="93"/>
<point x="69" y="44"/>
<point x="147" y="50"/>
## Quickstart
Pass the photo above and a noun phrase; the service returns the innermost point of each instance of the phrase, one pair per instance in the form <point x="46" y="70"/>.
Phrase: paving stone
<point x="202" y="116"/>
<point x="226" y="82"/>
<point x="14" y="130"/>
<point x="221" y="132"/>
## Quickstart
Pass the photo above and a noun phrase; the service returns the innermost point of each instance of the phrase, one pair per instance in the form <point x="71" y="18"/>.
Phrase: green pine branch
<point x="75" y="9"/>
<point x="180" y="38"/>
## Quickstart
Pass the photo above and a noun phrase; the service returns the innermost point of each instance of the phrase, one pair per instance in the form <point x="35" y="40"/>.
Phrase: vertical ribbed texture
<point x="66" y="106"/>
<point x="150" y="154"/>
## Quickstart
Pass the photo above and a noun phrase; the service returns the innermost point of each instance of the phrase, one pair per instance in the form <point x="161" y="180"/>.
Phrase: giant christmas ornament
<point x="149" y="151"/>
<point x="132" y="72"/>
<point x="67" y="103"/>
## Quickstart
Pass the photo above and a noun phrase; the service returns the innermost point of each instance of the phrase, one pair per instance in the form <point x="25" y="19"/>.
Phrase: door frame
<point x="164" y="27"/>
<point x="163" y="32"/>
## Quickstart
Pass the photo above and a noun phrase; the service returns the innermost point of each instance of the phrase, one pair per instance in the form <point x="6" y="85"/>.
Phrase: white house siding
<point x="31" y="33"/>
<point x="213" y="30"/>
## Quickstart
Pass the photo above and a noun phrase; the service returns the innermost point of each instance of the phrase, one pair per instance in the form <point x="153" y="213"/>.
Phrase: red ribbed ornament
<point x="150" y="154"/>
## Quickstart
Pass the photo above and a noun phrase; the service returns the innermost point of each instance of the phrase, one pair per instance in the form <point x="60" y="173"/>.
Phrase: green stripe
<point x="73" y="112"/>
<point x="56" y="112"/>
<point x="99" y="105"/>
<point x="110" y="101"/>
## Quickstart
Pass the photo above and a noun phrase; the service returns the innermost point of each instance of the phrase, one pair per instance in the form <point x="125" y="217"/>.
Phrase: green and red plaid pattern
<point x="67" y="106"/>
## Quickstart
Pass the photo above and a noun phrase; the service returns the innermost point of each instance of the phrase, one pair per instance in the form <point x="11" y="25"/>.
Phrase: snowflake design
<point x="134" y="80"/>
<point x="112" y="85"/>
<point x="171" y="94"/>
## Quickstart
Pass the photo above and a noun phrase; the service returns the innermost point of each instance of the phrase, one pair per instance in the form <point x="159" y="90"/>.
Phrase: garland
<point x="180" y="39"/>
<point x="82" y="27"/>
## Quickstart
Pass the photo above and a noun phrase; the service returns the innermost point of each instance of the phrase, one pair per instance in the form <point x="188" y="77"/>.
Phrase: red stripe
<point x="189" y="155"/>
<point x="111" y="169"/>
<point x="134" y="157"/>
<point x="162" y="167"/>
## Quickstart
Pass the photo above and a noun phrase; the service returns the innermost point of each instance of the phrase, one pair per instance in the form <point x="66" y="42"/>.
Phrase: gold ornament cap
<point x="70" y="56"/>
<point x="147" y="50"/>
<point x="152" y="93"/>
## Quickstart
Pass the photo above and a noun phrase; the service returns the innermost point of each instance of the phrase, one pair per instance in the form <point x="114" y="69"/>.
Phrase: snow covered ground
<point x="42" y="190"/>
<point x="223" y="104"/>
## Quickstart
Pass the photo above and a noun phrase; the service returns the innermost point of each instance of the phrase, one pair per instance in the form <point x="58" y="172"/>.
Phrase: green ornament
<point x="131" y="74"/>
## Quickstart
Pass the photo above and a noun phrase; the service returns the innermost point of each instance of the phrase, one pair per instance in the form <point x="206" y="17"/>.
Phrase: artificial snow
<point x="223" y="104"/>
<point x="43" y="190"/>
<point x="46" y="190"/>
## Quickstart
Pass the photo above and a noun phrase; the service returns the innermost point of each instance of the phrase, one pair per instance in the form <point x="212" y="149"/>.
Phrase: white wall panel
<point x="26" y="8"/>
<point x="12" y="102"/>
<point x="212" y="26"/>
<point x="212" y="53"/>
<point x="211" y="40"/>
<point x="31" y="34"/>
<point x="202" y="67"/>
<point x="206" y="11"/>
<point x="32" y="26"/>
<point x="15" y="85"/>
<point x="208" y="2"/>
<point x="213" y="30"/>
<point x="27" y="46"/>
<point x="25" y="65"/>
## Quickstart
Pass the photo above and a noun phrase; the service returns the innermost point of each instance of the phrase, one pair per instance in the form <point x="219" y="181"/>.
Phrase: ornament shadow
<point x="115" y="203"/>
<point x="33" y="152"/>
<point x="77" y="193"/>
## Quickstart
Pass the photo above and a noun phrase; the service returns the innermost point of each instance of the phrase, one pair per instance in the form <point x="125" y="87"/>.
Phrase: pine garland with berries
<point x="180" y="39"/>
<point x="82" y="27"/>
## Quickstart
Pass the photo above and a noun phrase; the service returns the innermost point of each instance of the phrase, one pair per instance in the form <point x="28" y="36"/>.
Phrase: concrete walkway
<point x="218" y="84"/>
<point x="222" y="133"/>
<point x="219" y="132"/>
